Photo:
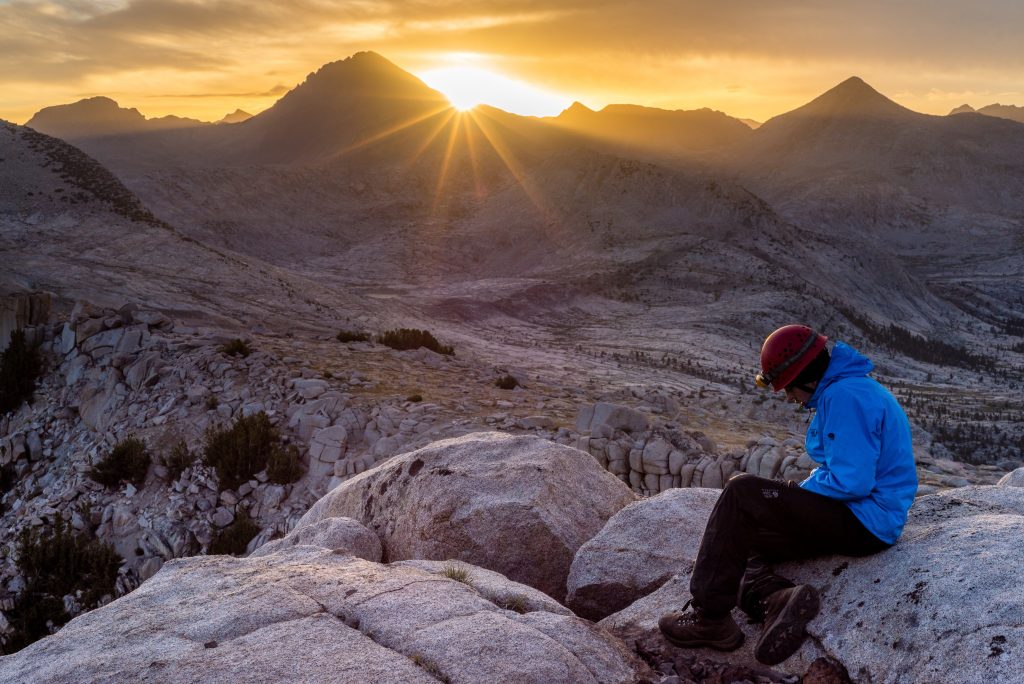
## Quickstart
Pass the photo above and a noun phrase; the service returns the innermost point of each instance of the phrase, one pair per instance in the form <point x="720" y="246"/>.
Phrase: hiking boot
<point x="787" y="613"/>
<point x="694" y="628"/>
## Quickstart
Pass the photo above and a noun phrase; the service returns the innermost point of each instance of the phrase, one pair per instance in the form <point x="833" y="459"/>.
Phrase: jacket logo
<point x="770" y="493"/>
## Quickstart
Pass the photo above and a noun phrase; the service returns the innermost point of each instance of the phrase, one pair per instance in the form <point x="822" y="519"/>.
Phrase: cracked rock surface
<point x="316" y="615"/>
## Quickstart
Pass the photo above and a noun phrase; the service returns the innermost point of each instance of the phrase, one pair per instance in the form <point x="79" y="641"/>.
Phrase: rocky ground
<point x="365" y="570"/>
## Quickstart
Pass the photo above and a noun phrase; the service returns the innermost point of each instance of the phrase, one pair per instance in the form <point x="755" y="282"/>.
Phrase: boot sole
<point x="723" y="645"/>
<point x="785" y="635"/>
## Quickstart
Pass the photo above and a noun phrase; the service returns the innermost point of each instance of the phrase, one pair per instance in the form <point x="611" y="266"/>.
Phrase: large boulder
<point x="938" y="606"/>
<point x="640" y="548"/>
<point x="313" y="615"/>
<point x="521" y="506"/>
<point x="1012" y="479"/>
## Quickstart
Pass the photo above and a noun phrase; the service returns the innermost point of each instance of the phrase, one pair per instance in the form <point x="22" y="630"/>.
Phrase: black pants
<point x="757" y="522"/>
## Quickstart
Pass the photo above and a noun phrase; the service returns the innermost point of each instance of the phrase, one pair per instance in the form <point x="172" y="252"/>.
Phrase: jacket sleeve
<point x="851" y="435"/>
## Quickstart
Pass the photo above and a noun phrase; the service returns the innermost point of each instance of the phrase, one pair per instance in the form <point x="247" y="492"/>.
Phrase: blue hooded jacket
<point x="861" y="438"/>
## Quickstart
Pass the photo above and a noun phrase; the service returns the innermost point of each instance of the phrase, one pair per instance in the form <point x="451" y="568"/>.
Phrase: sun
<point x="469" y="86"/>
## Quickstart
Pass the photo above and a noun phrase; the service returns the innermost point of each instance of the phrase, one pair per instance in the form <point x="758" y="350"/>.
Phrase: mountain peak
<point x="236" y="116"/>
<point x="853" y="98"/>
<point x="366" y="73"/>
<point x="962" y="109"/>
<point x="91" y="116"/>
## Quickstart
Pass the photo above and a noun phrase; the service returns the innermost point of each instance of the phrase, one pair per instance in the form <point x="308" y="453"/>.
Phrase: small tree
<point x="233" y="539"/>
<point x="236" y="347"/>
<point x="250" y="445"/>
<point x="55" y="562"/>
<point x="284" y="465"/>
<point x="352" y="336"/>
<point x="20" y="366"/>
<point x="178" y="460"/>
<point x="506" y="382"/>
<point x="409" y="338"/>
<point x="128" y="461"/>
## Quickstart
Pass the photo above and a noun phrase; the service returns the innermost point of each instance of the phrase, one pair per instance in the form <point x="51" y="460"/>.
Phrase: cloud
<point x="656" y="50"/>
<point x="276" y="91"/>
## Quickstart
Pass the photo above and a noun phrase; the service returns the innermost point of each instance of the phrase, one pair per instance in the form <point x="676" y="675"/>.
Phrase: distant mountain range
<point x="102" y="116"/>
<point x="1011" y="112"/>
<point x="851" y="197"/>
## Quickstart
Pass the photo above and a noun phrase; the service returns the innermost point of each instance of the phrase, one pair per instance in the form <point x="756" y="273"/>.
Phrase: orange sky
<point x="204" y="58"/>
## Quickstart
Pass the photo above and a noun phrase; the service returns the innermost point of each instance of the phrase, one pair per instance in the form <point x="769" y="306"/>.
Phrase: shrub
<point x="233" y="539"/>
<point x="414" y="398"/>
<point x="454" y="572"/>
<point x="128" y="461"/>
<point x="506" y="382"/>
<point x="408" y="338"/>
<point x="239" y="452"/>
<point x="352" y="336"/>
<point x="55" y="562"/>
<point x="284" y="465"/>
<point x="176" y="461"/>
<point x="515" y="602"/>
<point x="236" y="347"/>
<point x="211" y="402"/>
<point x="20" y="366"/>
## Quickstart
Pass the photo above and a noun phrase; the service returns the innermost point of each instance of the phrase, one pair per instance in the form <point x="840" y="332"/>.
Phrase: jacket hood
<point x="846" y="362"/>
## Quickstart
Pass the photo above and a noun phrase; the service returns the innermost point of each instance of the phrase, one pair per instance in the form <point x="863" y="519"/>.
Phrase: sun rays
<point x="453" y="144"/>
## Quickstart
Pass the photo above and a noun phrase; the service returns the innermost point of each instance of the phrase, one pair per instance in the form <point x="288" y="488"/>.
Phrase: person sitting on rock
<point x="855" y="503"/>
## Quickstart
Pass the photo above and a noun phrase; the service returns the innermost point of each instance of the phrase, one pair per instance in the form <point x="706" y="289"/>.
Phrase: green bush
<point x="20" y="366"/>
<point x="408" y="338"/>
<point x="128" y="461"/>
<point x="506" y="382"/>
<point x="284" y="465"/>
<point x="239" y="452"/>
<point x="236" y="347"/>
<point x="55" y="562"/>
<point x="177" y="460"/>
<point x="233" y="539"/>
<point x="352" y="336"/>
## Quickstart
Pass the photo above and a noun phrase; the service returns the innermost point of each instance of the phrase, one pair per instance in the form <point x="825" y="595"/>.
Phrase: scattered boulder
<point x="604" y="418"/>
<point x="640" y="548"/>
<point x="521" y="506"/>
<point x="312" y="615"/>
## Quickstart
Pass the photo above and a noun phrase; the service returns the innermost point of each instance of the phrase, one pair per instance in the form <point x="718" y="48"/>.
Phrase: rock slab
<point x="312" y="615"/>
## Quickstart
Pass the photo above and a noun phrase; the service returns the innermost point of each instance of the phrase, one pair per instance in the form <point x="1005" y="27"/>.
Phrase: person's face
<point x="797" y="395"/>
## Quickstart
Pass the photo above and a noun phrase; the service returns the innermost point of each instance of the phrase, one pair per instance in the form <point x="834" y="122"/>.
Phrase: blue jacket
<point x="861" y="438"/>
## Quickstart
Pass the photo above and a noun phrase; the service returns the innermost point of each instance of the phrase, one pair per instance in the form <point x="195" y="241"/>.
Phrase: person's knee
<point x="742" y="484"/>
